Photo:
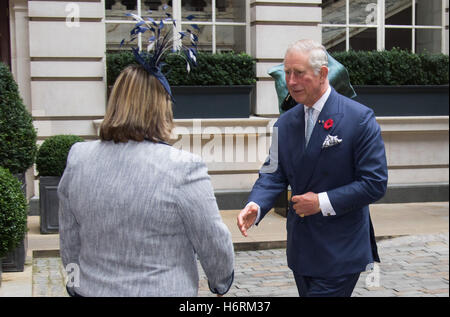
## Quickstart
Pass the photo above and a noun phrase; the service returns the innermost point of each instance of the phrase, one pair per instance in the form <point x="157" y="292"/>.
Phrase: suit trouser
<point x="340" y="286"/>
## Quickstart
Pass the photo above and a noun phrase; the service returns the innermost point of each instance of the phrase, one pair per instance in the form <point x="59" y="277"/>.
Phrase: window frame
<point x="381" y="26"/>
<point x="177" y="16"/>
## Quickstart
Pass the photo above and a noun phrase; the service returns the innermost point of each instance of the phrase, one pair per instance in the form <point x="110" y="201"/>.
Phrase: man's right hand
<point x="247" y="218"/>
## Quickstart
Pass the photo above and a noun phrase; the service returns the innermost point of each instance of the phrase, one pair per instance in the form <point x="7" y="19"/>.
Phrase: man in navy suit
<point x="330" y="151"/>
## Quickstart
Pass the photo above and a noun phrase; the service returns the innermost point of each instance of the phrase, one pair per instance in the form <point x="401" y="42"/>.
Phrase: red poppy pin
<point x="328" y="124"/>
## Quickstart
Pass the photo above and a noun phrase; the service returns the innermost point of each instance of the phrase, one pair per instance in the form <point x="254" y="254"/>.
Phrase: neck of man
<point x="323" y="89"/>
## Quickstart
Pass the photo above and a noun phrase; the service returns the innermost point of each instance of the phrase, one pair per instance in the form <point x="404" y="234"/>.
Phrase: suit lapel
<point x="298" y="131"/>
<point x="331" y="110"/>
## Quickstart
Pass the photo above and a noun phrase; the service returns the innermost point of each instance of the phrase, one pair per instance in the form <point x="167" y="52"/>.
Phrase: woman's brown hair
<point x="139" y="108"/>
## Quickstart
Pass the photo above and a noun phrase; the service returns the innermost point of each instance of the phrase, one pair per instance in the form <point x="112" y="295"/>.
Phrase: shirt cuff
<point x="325" y="205"/>
<point x="259" y="212"/>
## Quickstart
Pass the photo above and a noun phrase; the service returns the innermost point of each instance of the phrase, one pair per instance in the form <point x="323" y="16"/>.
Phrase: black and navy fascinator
<point x="159" y="43"/>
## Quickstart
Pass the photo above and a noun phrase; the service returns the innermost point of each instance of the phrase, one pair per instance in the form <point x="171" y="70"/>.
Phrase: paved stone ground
<point x="412" y="266"/>
<point x="48" y="277"/>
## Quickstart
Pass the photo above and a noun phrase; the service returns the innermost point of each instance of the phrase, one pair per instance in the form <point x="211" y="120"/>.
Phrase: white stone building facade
<point x="57" y="55"/>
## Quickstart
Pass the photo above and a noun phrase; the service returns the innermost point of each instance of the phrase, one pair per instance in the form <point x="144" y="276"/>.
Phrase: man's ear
<point x="323" y="73"/>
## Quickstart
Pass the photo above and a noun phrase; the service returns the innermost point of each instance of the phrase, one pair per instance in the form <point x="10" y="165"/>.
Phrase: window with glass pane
<point x="398" y="12"/>
<point x="116" y="9"/>
<point x="333" y="12"/>
<point x="155" y="5"/>
<point x="200" y="9"/>
<point x="363" y="39"/>
<point x="399" y="24"/>
<point x="428" y="40"/>
<point x="401" y="16"/>
<point x="155" y="8"/>
<point x="400" y="38"/>
<point x="226" y="30"/>
<point x="429" y="12"/>
<point x="230" y="39"/>
<point x="204" y="38"/>
<point x="363" y="12"/>
<point x="230" y="11"/>
<point x="115" y="33"/>
<point x="333" y="38"/>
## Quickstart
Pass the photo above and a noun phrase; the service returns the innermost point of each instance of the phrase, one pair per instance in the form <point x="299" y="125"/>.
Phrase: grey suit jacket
<point x="134" y="216"/>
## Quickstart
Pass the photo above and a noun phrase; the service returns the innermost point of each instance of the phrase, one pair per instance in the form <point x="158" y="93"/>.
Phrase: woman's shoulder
<point x="181" y="164"/>
<point x="179" y="156"/>
<point x="164" y="153"/>
<point x="80" y="148"/>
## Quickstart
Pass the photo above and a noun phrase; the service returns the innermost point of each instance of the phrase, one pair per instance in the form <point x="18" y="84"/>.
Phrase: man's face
<point x="303" y="84"/>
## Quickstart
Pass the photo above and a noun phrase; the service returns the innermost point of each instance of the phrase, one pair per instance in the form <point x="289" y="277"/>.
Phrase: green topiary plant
<point x="52" y="154"/>
<point x="222" y="69"/>
<point x="13" y="212"/>
<point x="115" y="63"/>
<point x="395" y="67"/>
<point x="17" y="134"/>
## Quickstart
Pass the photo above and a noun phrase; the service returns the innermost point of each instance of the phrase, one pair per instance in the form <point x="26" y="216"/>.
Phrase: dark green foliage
<point x="13" y="212"/>
<point x="395" y="67"/>
<point x="115" y="63"/>
<point x="17" y="134"/>
<point x="223" y="69"/>
<point x="437" y="67"/>
<point x="52" y="154"/>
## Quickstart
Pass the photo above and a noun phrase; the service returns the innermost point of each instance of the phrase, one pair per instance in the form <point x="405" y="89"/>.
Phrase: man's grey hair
<point x="317" y="53"/>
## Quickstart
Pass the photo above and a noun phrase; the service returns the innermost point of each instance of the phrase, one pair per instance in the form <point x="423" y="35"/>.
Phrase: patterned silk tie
<point x="309" y="125"/>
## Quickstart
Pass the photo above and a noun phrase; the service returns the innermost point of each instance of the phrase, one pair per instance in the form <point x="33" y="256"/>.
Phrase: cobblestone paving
<point x="48" y="277"/>
<point x="412" y="266"/>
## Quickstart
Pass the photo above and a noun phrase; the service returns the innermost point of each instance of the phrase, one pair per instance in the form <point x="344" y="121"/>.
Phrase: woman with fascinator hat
<point x="135" y="213"/>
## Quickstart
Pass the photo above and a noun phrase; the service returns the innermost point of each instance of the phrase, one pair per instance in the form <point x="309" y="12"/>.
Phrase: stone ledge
<point x="401" y="193"/>
<point x="414" y="124"/>
<point x="413" y="193"/>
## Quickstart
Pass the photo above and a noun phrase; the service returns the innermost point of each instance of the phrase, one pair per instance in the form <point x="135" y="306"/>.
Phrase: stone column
<point x="20" y="63"/>
<point x="67" y="68"/>
<point x="275" y="24"/>
<point x="20" y="52"/>
<point x="66" y="65"/>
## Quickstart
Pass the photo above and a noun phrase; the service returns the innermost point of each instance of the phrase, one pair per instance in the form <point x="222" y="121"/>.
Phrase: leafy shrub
<point x="395" y="67"/>
<point x="213" y="69"/>
<point x="17" y="134"/>
<point x="115" y="63"/>
<point x="52" y="154"/>
<point x="13" y="212"/>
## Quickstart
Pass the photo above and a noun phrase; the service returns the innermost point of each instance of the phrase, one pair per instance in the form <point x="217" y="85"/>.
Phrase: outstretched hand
<point x="247" y="218"/>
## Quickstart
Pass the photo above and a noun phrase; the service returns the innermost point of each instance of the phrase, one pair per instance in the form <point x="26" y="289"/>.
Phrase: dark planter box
<point x="404" y="100"/>
<point x="49" y="204"/>
<point x="212" y="101"/>
<point x="14" y="261"/>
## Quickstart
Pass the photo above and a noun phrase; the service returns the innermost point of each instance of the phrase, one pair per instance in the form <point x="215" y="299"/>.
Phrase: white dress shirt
<point x="324" y="201"/>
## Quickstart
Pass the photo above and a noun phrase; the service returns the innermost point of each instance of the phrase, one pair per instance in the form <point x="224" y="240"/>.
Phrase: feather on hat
<point x="160" y="43"/>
